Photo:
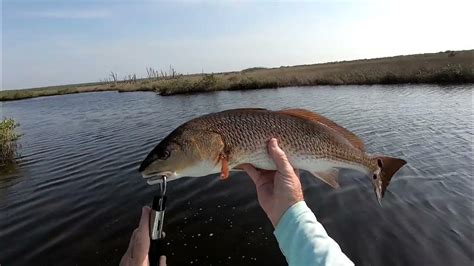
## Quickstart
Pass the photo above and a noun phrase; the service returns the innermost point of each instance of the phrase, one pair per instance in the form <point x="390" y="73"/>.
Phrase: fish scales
<point x="220" y="142"/>
<point x="245" y="132"/>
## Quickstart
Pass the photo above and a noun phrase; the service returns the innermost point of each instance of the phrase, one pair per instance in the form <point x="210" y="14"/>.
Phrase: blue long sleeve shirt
<point x="304" y="241"/>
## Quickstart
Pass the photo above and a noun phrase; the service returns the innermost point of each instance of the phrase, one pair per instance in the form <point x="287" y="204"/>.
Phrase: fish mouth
<point x="156" y="177"/>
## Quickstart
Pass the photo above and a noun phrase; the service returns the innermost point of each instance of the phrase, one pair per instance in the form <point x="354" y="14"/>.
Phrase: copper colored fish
<point x="220" y="142"/>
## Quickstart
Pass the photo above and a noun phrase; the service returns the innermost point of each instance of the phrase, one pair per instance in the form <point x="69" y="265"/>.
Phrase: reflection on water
<point x="76" y="194"/>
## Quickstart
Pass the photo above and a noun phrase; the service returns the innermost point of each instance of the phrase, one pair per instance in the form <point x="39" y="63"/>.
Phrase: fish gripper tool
<point x="157" y="216"/>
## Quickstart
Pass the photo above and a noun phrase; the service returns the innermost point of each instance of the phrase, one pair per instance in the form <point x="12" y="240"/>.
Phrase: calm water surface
<point x="75" y="197"/>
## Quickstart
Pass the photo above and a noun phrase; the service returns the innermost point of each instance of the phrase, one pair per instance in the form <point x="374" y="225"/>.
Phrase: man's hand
<point x="137" y="252"/>
<point x="276" y="190"/>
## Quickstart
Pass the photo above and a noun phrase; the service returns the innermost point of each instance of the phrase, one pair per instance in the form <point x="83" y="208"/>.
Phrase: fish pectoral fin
<point x="329" y="177"/>
<point x="224" y="167"/>
<point x="237" y="168"/>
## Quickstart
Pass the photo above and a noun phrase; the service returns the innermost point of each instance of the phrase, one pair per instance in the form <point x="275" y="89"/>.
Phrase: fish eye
<point x="165" y="155"/>
<point x="374" y="176"/>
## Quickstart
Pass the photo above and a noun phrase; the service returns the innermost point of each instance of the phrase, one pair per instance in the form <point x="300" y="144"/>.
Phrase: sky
<point x="75" y="41"/>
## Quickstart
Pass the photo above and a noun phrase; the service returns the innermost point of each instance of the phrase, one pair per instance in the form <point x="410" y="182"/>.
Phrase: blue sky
<point x="63" y="42"/>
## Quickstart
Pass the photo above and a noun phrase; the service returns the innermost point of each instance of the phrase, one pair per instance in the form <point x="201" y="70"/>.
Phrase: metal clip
<point x="163" y="186"/>
<point x="157" y="214"/>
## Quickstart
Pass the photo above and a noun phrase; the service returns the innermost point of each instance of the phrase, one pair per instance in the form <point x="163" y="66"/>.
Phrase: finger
<point x="279" y="157"/>
<point x="251" y="171"/>
<point x="297" y="172"/>
<point x="142" y="239"/>
<point x="259" y="177"/>
<point x="126" y="260"/>
<point x="131" y="243"/>
<point x="145" y="219"/>
<point x="162" y="261"/>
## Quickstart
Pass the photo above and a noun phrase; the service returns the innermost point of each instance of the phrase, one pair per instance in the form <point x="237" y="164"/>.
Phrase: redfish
<point x="220" y="142"/>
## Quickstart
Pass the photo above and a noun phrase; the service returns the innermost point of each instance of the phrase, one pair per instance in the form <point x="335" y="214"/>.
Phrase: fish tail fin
<point x="387" y="167"/>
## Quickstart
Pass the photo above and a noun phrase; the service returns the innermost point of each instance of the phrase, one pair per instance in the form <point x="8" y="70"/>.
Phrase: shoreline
<point x="450" y="67"/>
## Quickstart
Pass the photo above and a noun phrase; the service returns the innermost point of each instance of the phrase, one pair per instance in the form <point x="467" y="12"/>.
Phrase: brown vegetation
<point x="436" y="68"/>
<point x="8" y="141"/>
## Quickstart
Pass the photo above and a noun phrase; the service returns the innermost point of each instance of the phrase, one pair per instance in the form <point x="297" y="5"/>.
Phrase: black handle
<point x="156" y="250"/>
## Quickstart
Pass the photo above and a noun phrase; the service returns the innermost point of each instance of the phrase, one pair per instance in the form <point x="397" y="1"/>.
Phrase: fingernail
<point x="274" y="141"/>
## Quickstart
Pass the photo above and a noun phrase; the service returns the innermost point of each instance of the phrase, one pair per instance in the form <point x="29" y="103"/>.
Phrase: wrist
<point x="288" y="198"/>
<point x="282" y="209"/>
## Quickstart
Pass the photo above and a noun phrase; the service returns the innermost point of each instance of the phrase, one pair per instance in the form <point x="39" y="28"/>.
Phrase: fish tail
<point x="387" y="167"/>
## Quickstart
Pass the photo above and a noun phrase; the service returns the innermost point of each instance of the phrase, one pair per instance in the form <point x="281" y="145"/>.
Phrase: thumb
<point x="144" y="224"/>
<point x="162" y="261"/>
<point x="279" y="157"/>
<point x="142" y="240"/>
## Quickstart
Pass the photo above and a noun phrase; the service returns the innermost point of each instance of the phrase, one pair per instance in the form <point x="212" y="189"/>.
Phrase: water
<point x="75" y="197"/>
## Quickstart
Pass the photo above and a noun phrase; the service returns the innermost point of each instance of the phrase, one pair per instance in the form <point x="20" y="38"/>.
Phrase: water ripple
<point x="76" y="194"/>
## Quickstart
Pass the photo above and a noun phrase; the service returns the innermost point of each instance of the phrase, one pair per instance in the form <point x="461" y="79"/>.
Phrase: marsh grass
<point x="8" y="141"/>
<point x="210" y="82"/>
<point x="448" y="67"/>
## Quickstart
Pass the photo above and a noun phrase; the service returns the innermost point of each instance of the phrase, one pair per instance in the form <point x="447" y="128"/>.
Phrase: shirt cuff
<point x="290" y="216"/>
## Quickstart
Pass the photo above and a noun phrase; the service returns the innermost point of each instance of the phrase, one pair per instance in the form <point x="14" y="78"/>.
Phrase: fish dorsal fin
<point x="329" y="177"/>
<point x="243" y="110"/>
<point x="314" y="117"/>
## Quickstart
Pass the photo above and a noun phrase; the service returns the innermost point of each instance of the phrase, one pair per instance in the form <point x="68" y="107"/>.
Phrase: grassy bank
<point x="8" y="141"/>
<point x="10" y="95"/>
<point x="435" y="68"/>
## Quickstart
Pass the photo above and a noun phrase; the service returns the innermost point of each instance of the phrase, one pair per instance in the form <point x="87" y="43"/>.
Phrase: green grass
<point x="8" y="141"/>
<point x="435" y="68"/>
